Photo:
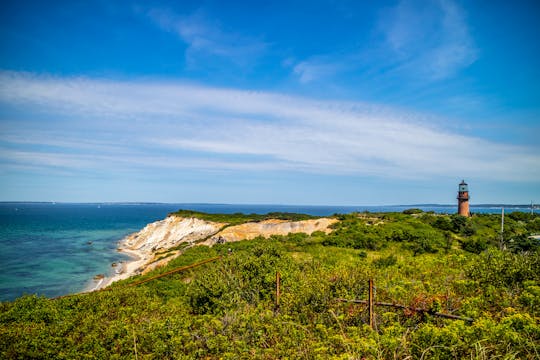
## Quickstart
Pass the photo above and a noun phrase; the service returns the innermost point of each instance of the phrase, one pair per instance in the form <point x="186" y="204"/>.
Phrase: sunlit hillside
<point x="229" y="308"/>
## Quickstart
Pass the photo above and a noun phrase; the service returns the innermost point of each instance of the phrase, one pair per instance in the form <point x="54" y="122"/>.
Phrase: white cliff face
<point x="170" y="232"/>
<point x="158" y="238"/>
<point x="174" y="230"/>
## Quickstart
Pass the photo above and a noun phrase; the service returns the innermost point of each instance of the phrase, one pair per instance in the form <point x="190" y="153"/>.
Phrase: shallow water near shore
<point x="56" y="249"/>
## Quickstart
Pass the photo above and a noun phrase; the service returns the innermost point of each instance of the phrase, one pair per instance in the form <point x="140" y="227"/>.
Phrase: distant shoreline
<point x="486" y="205"/>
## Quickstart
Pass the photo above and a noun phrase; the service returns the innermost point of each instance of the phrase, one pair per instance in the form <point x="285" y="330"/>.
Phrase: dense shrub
<point x="385" y="261"/>
<point x="523" y="243"/>
<point x="475" y="245"/>
<point x="505" y="269"/>
<point x="413" y="211"/>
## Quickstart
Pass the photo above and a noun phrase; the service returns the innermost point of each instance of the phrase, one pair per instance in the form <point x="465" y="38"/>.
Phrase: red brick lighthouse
<point x="463" y="199"/>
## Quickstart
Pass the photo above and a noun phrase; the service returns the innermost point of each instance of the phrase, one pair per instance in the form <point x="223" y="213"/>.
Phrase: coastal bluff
<point x="170" y="232"/>
<point x="267" y="228"/>
<point x="161" y="241"/>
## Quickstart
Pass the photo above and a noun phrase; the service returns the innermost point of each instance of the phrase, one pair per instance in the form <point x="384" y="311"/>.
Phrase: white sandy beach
<point x="125" y="269"/>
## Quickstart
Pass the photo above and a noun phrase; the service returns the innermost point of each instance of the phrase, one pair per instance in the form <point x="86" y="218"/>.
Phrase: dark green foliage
<point x="523" y="216"/>
<point x="522" y="243"/>
<point x="253" y="280"/>
<point x="444" y="223"/>
<point x="419" y="240"/>
<point x="375" y="231"/>
<point x="530" y="221"/>
<point x="458" y="223"/>
<point x="505" y="269"/>
<point x="385" y="261"/>
<point x="462" y="225"/>
<point x="475" y="245"/>
<point x="455" y="223"/>
<point x="239" y="218"/>
<point x="533" y="226"/>
<point x="413" y="211"/>
<point x="356" y="235"/>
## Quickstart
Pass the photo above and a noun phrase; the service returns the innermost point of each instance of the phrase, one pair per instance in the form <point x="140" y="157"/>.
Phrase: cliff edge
<point x="161" y="241"/>
<point x="267" y="228"/>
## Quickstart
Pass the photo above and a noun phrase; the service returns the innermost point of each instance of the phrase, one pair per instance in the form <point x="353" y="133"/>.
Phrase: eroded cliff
<point x="155" y="244"/>
<point x="267" y="228"/>
<point x="169" y="233"/>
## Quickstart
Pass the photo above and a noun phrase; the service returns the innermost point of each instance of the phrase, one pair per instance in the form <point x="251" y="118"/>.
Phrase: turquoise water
<point x="56" y="249"/>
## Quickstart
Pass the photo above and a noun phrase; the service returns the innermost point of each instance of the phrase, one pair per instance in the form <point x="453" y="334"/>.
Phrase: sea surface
<point x="55" y="249"/>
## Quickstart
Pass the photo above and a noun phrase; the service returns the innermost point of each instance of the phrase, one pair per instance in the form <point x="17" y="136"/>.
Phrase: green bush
<point x="384" y="262"/>
<point x="412" y="211"/>
<point x="475" y="245"/>
<point x="505" y="269"/>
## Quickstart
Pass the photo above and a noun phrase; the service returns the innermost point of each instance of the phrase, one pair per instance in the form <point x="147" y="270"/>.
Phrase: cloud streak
<point x="422" y="40"/>
<point x="317" y="68"/>
<point x="170" y="126"/>
<point x="430" y="39"/>
<point x="207" y="39"/>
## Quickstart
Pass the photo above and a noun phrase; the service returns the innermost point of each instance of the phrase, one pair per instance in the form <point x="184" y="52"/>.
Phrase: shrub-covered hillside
<point x="227" y="308"/>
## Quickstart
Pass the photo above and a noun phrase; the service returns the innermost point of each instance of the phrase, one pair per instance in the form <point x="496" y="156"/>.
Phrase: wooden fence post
<point x="278" y="290"/>
<point x="370" y="302"/>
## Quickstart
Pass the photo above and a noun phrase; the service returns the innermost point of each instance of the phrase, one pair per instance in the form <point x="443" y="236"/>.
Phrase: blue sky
<point x="296" y="102"/>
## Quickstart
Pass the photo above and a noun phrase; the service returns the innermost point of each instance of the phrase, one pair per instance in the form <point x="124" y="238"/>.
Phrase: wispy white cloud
<point x="164" y="125"/>
<point x="317" y="69"/>
<point x="430" y="39"/>
<point x="422" y="40"/>
<point x="206" y="38"/>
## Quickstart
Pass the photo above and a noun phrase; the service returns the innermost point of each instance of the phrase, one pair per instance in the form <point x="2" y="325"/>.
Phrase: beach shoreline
<point x="124" y="269"/>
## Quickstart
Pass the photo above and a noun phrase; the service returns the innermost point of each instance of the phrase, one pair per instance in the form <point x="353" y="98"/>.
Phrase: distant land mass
<point x="262" y="204"/>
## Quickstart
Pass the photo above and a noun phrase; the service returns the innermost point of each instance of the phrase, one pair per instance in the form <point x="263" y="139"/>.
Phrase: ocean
<point x="56" y="249"/>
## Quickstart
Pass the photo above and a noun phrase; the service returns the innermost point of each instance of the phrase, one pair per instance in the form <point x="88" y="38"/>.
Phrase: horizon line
<point x="253" y="204"/>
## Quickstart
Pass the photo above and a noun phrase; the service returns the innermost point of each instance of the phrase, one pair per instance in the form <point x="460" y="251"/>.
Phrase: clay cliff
<point x="155" y="244"/>
<point x="169" y="233"/>
<point x="267" y="228"/>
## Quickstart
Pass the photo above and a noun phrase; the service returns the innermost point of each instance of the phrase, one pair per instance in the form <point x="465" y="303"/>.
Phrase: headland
<point x="162" y="241"/>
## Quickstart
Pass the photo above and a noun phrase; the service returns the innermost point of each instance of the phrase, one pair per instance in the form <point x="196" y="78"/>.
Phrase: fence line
<point x="173" y="271"/>
<point x="370" y="302"/>
<point x="278" y="291"/>
<point x="180" y="269"/>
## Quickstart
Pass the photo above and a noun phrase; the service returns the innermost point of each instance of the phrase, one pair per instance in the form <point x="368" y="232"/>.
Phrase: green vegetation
<point x="239" y="218"/>
<point x="413" y="211"/>
<point x="226" y="309"/>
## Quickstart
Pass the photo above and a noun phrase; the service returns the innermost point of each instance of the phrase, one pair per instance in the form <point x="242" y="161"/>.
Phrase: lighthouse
<point x="463" y="199"/>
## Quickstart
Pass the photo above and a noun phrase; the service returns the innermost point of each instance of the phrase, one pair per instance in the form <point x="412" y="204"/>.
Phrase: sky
<point x="270" y="102"/>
